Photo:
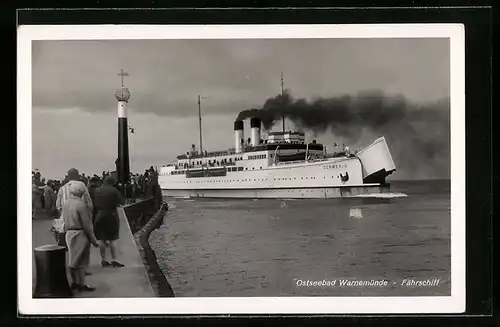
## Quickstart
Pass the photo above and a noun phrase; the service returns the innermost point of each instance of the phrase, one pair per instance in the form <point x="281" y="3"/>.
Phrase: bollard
<point x="51" y="278"/>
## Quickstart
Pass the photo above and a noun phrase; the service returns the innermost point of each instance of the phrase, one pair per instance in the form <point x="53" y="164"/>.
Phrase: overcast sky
<point x="74" y="83"/>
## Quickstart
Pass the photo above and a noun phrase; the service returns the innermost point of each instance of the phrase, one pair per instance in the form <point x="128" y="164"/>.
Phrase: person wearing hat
<point x="94" y="184"/>
<point x="107" y="224"/>
<point x="63" y="193"/>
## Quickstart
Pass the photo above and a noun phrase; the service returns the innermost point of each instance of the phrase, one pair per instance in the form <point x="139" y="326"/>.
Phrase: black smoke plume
<point x="418" y="134"/>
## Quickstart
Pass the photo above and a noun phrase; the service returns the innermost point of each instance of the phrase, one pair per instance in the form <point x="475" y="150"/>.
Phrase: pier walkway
<point x="129" y="281"/>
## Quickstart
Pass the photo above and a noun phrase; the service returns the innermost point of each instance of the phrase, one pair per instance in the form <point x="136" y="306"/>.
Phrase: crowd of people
<point x="84" y="213"/>
<point x="45" y="191"/>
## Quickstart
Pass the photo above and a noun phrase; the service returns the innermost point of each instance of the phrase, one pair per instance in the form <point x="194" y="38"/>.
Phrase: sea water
<point x="395" y="244"/>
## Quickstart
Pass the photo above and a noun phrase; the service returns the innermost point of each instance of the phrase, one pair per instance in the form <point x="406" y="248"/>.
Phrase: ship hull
<point x="280" y="193"/>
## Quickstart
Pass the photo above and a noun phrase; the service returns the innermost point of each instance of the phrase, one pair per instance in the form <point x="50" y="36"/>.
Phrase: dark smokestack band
<point x="238" y="125"/>
<point x="123" y="167"/>
<point x="255" y="122"/>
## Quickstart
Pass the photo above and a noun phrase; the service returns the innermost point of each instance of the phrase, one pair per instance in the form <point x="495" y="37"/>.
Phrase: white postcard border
<point x="249" y="305"/>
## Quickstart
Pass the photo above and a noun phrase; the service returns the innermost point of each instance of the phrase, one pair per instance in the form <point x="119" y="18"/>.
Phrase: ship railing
<point x="301" y="161"/>
<point x="232" y="164"/>
<point x="289" y="162"/>
<point x="208" y="154"/>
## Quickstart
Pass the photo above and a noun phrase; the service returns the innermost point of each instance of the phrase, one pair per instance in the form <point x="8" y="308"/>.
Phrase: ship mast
<point x="282" y="100"/>
<point x="199" y="117"/>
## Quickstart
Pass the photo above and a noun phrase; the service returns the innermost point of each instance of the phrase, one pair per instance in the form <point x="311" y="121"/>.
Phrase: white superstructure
<point x="284" y="165"/>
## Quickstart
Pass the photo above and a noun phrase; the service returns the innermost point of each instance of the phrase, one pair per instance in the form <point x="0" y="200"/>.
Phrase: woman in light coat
<point x="79" y="235"/>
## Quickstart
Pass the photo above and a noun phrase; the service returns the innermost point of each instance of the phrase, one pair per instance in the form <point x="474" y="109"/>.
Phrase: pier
<point x="140" y="276"/>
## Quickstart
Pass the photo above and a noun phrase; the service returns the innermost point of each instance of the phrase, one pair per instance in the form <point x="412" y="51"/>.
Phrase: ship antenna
<point x="282" y="100"/>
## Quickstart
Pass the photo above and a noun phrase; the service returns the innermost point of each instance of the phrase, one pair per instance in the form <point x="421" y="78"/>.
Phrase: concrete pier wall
<point x="143" y="218"/>
<point x="139" y="213"/>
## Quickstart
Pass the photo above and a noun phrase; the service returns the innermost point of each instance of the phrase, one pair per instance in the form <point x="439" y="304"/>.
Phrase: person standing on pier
<point x="145" y="183"/>
<point x="79" y="234"/>
<point x="48" y="196"/>
<point x="42" y="197"/>
<point x="35" y="193"/>
<point x="84" y="179"/>
<point x="154" y="181"/>
<point x="107" y="224"/>
<point x="63" y="195"/>
<point x="94" y="184"/>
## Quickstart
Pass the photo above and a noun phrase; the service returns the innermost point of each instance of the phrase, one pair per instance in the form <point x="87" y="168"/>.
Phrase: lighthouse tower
<point x="122" y="163"/>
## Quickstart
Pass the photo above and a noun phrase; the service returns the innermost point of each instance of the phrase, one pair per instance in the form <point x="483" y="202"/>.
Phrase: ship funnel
<point x="238" y="136"/>
<point x="255" y="131"/>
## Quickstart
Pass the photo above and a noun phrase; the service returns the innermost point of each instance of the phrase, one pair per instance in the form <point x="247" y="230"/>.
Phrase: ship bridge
<point x="286" y="137"/>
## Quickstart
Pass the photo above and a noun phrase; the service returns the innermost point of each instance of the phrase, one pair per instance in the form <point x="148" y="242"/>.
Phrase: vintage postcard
<point x="241" y="169"/>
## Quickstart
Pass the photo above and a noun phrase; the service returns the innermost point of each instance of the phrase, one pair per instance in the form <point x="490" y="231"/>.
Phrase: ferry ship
<point x="283" y="165"/>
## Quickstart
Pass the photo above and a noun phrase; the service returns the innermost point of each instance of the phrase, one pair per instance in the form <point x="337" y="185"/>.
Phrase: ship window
<point x="260" y="167"/>
<point x="253" y="167"/>
<point x="246" y="168"/>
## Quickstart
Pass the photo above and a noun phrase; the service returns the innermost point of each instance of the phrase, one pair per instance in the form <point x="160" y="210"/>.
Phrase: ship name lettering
<point x="335" y="166"/>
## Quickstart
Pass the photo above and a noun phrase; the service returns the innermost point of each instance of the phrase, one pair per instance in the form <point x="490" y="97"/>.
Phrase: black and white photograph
<point x="241" y="169"/>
